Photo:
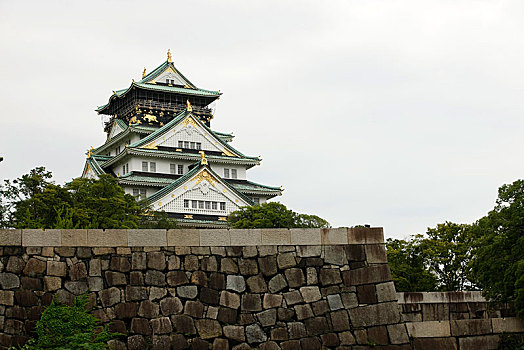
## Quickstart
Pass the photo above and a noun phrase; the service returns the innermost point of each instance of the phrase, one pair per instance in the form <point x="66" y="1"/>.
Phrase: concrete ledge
<point x="199" y="237"/>
<point x="440" y="297"/>
<point x="107" y="238"/>
<point x="10" y="237"/>
<point x="428" y="329"/>
<point x="215" y="238"/>
<point x="74" y="238"/>
<point x="147" y="238"/>
<point x="246" y="237"/>
<point x="276" y="236"/>
<point x="365" y="235"/>
<point x="41" y="238"/>
<point x="507" y="325"/>
<point x="183" y="237"/>
<point x="334" y="235"/>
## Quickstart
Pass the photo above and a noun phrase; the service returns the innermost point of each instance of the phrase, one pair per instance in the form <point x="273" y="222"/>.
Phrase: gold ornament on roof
<point x="189" y="108"/>
<point x="144" y="73"/>
<point x="203" y="159"/>
<point x="169" y="58"/>
<point x="90" y="152"/>
<point x="204" y="175"/>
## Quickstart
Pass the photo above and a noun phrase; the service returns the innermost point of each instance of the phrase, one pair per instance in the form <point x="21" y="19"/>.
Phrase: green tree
<point x="70" y="327"/>
<point x="271" y="215"/>
<point x="498" y="262"/>
<point x="33" y="201"/>
<point x="448" y="248"/>
<point x="409" y="265"/>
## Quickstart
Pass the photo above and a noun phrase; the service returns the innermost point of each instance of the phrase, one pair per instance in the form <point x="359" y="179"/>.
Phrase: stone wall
<point x="443" y="306"/>
<point x="222" y="289"/>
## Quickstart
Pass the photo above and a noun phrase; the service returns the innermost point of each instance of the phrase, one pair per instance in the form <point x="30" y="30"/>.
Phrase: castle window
<point x="172" y="168"/>
<point x="200" y="204"/>
<point x="181" y="144"/>
<point x="222" y="206"/>
<point x="186" y="203"/>
<point x="194" y="204"/>
<point x="214" y="205"/>
<point x="233" y="173"/>
<point x="144" y="166"/>
<point x="198" y="146"/>
<point x="152" y="167"/>
<point x="226" y="173"/>
<point x="180" y="169"/>
<point x="208" y="205"/>
<point x="256" y="200"/>
<point x="136" y="192"/>
<point x="186" y="144"/>
<point x="192" y="145"/>
<point x="143" y="193"/>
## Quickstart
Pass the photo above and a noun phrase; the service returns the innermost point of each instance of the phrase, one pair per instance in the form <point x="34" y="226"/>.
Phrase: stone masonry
<point x="220" y="289"/>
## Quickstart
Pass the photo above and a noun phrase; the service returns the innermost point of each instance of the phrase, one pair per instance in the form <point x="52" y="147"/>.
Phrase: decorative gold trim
<point x="159" y="204"/>
<point x="169" y="58"/>
<point x="227" y="153"/>
<point x="188" y="106"/>
<point x="189" y="120"/>
<point x="144" y="73"/>
<point x="152" y="145"/>
<point x="222" y="218"/>
<point x="187" y="216"/>
<point x="204" y="175"/>
<point x="203" y="159"/>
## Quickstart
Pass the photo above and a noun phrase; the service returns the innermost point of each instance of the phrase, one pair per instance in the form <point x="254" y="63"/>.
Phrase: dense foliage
<point x="498" y="262"/>
<point x="34" y="201"/>
<point x="409" y="266"/>
<point x="69" y="327"/>
<point x="271" y="215"/>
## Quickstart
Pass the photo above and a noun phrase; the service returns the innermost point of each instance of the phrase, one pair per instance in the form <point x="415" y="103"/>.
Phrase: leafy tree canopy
<point x="271" y="215"/>
<point x="498" y="262"/>
<point x="409" y="267"/>
<point x="34" y="201"/>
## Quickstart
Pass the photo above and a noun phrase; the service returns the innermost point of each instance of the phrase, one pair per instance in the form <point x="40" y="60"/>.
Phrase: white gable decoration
<point x="169" y="76"/>
<point x="115" y="130"/>
<point x="202" y="187"/>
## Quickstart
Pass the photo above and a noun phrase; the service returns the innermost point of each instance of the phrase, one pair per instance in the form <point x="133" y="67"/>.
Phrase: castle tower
<point x="161" y="147"/>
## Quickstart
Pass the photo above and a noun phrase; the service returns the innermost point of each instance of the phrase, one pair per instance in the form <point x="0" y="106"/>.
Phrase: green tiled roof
<point x="176" y="120"/>
<point x="253" y="186"/>
<point x="131" y="177"/>
<point x="143" y="84"/>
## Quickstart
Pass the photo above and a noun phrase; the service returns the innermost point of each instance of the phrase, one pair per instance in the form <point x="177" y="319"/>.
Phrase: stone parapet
<point x="197" y="237"/>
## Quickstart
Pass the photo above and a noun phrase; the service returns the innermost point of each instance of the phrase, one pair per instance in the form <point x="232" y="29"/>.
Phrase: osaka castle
<point x="162" y="148"/>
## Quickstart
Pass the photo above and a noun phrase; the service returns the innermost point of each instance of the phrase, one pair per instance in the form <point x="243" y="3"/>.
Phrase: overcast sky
<point x="401" y="114"/>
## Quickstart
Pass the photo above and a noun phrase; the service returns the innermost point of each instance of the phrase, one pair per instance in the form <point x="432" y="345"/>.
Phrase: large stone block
<point x="367" y="275"/>
<point x="230" y="300"/>
<point x="107" y="238"/>
<point x="435" y="344"/>
<point x="375" y="253"/>
<point x="236" y="283"/>
<point x="306" y="236"/>
<point x="479" y="342"/>
<point x="507" y="325"/>
<point x="375" y="315"/>
<point x="10" y="237"/>
<point x="398" y="334"/>
<point x="316" y="326"/>
<point x="330" y="276"/>
<point x="235" y="333"/>
<point x="365" y="235"/>
<point x="41" y="238"/>
<point x="334" y="254"/>
<point x="428" y="329"/>
<point x="161" y="325"/>
<point x="208" y="329"/>
<point x="74" y="238"/>
<point x="276" y="236"/>
<point x="109" y="297"/>
<point x="56" y="268"/>
<point x="255" y="334"/>
<point x="277" y="283"/>
<point x="147" y="238"/>
<point x="334" y="235"/>
<point x="171" y="306"/>
<point x="470" y="327"/>
<point x="183" y="237"/>
<point x="245" y="237"/>
<point x="7" y="297"/>
<point x="295" y="277"/>
<point x="9" y="281"/>
<point x="216" y="237"/>
<point x="183" y="324"/>
<point x="310" y="294"/>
